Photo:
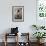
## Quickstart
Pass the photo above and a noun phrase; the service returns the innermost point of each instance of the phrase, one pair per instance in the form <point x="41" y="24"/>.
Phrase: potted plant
<point x="39" y="35"/>
<point x="42" y="27"/>
<point x="35" y="27"/>
<point x="38" y="27"/>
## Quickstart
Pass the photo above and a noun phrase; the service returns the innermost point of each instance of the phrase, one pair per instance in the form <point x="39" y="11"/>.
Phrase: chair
<point x="26" y="41"/>
<point x="14" y="32"/>
<point x="7" y="35"/>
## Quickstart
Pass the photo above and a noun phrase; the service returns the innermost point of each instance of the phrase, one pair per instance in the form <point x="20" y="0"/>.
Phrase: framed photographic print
<point x="17" y="13"/>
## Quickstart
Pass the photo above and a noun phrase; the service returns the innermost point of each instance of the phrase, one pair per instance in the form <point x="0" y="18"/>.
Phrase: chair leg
<point x="5" y="43"/>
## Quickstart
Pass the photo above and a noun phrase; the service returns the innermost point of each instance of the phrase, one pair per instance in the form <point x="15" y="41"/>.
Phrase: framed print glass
<point x="17" y="13"/>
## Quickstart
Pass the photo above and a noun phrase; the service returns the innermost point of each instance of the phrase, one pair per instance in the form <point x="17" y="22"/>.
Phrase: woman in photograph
<point x="18" y="14"/>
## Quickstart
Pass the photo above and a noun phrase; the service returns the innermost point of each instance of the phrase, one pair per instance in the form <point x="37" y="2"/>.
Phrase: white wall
<point x="6" y="15"/>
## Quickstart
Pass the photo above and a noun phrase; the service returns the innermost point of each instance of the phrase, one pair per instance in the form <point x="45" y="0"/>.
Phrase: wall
<point x="6" y="15"/>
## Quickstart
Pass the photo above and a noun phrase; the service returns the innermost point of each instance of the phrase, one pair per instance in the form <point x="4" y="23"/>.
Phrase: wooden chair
<point x="27" y="43"/>
<point x="8" y="34"/>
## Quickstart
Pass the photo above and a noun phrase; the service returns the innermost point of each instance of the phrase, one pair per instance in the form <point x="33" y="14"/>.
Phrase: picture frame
<point x="18" y="13"/>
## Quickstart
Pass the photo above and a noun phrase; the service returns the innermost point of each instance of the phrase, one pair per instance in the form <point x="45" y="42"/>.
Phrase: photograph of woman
<point x="18" y="13"/>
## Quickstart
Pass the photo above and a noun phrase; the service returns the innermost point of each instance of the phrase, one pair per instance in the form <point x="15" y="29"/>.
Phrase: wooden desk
<point x="8" y="34"/>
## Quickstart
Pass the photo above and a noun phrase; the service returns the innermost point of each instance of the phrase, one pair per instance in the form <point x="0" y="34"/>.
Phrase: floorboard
<point x="13" y="44"/>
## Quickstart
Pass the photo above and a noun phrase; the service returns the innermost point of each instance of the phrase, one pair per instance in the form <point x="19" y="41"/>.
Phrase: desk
<point x="8" y="34"/>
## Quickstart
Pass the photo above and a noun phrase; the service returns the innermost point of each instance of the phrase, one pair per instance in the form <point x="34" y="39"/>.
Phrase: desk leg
<point x="17" y="40"/>
<point x="5" y="40"/>
<point x="5" y="43"/>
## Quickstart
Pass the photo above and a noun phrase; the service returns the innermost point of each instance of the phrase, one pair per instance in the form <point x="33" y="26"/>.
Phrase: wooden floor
<point x="13" y="44"/>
